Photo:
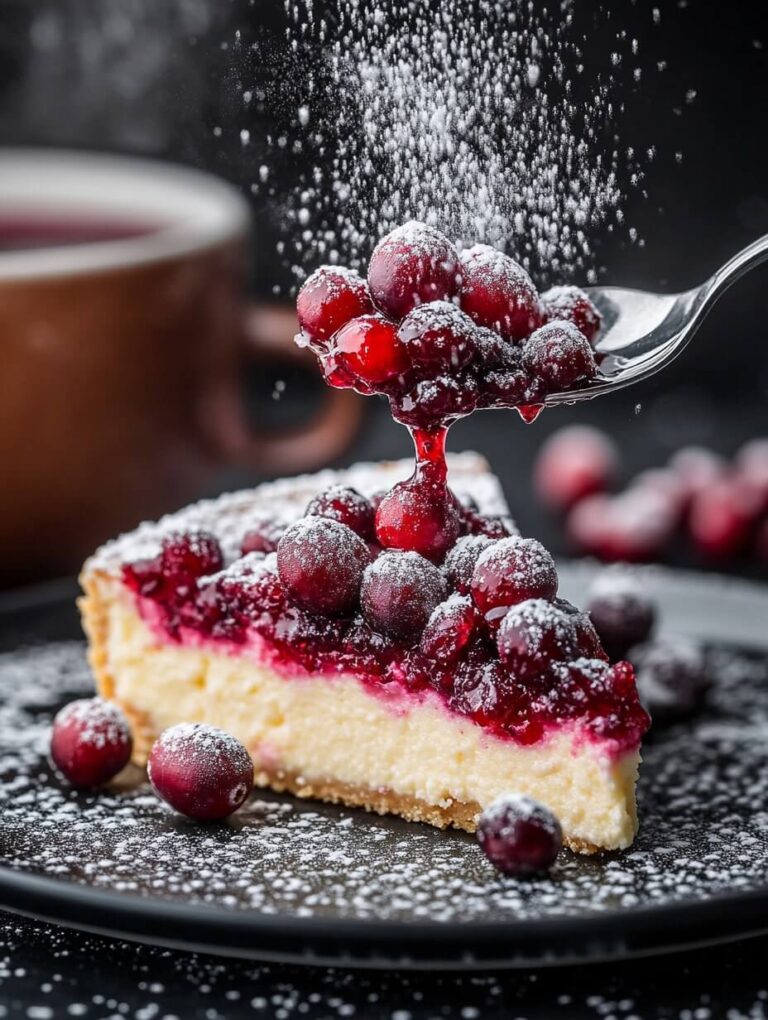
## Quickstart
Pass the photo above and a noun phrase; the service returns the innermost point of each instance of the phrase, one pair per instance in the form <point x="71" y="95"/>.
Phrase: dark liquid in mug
<point x="29" y="232"/>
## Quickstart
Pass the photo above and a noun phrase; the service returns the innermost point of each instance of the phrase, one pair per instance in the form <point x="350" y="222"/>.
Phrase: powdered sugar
<point x="99" y="722"/>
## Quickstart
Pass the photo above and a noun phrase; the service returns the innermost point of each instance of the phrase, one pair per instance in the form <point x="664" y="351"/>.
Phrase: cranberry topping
<point x="191" y="554"/>
<point x="261" y="537"/>
<point x="201" y="771"/>
<point x="460" y="562"/>
<point x="91" y="742"/>
<point x="346" y="505"/>
<point x="588" y="644"/>
<point x="622" y="613"/>
<point x="399" y="593"/>
<point x="560" y="355"/>
<point x="329" y="298"/>
<point x="438" y="337"/>
<point x="433" y="402"/>
<point x="573" y="305"/>
<point x="420" y="515"/>
<point x="488" y="525"/>
<point x="575" y="462"/>
<point x="498" y="293"/>
<point x="519" y="836"/>
<point x="448" y="630"/>
<point x="506" y="388"/>
<point x="672" y="678"/>
<point x="368" y="350"/>
<point x="532" y="635"/>
<point x="412" y="265"/>
<point x="321" y="564"/>
<point x="722" y="517"/>
<point x="512" y="570"/>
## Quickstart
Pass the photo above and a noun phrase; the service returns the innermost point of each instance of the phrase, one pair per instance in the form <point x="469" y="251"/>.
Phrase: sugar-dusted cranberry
<point x="696" y="468"/>
<point x="505" y="388"/>
<point x="534" y="634"/>
<point x="498" y="293"/>
<point x="460" y="562"/>
<point x="191" y="554"/>
<point x="91" y="742"/>
<point x="412" y="265"/>
<point x="399" y="593"/>
<point x="489" y="525"/>
<point x="420" y="515"/>
<point x="201" y="771"/>
<point x="321" y="564"/>
<point x="512" y="570"/>
<point x="672" y="677"/>
<point x="436" y="401"/>
<point x="588" y="645"/>
<point x="752" y="469"/>
<point x="261" y="537"/>
<point x="573" y="305"/>
<point x="722" y="517"/>
<point x="346" y="505"/>
<point x="496" y="352"/>
<point x="621" y="610"/>
<point x="519" y="836"/>
<point x="560" y="355"/>
<point x="449" y="630"/>
<point x="368" y="350"/>
<point x="329" y="298"/>
<point x="575" y="462"/>
<point x="438" y="337"/>
<point x="633" y="527"/>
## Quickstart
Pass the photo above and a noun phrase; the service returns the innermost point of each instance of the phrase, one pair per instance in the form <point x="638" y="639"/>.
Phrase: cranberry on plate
<point x="621" y="610"/>
<point x="672" y="677"/>
<point x="91" y="742"/>
<point x="519" y="836"/>
<point x="201" y="771"/>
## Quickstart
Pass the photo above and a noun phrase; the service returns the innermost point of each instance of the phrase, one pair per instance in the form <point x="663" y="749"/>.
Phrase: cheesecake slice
<point x="195" y="618"/>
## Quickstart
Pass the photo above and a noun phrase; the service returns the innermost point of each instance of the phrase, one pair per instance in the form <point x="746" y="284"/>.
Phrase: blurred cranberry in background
<point x="575" y="462"/>
<point x="722" y="517"/>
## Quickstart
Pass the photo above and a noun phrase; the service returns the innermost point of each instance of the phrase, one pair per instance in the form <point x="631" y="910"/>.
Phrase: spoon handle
<point x="734" y="268"/>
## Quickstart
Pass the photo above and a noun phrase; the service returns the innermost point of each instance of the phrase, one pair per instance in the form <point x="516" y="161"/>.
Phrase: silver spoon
<point x="643" y="332"/>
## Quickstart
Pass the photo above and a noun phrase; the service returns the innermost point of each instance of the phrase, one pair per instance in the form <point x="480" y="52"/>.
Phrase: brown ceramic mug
<point x="124" y="328"/>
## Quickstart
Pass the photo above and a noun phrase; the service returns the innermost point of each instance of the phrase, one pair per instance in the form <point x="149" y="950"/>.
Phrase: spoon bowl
<point x="642" y="331"/>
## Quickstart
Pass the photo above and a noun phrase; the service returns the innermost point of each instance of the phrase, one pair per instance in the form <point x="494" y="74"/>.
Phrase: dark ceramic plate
<point x="293" y="880"/>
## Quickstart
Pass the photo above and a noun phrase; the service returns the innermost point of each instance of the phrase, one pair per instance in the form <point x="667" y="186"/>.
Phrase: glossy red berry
<point x="634" y="527"/>
<point x="622" y="612"/>
<point x="412" y="265"/>
<point x="400" y="592"/>
<point x="488" y="525"/>
<point x="201" y="771"/>
<point x="91" y="742"/>
<point x="438" y="337"/>
<point x="696" y="468"/>
<point x="329" y="298"/>
<point x="575" y="462"/>
<point x="368" y="350"/>
<point x="512" y="570"/>
<point x="191" y="554"/>
<point x="419" y="515"/>
<point x="460" y="562"/>
<point x="722" y="517"/>
<point x="435" y="402"/>
<point x="752" y="468"/>
<point x="498" y="293"/>
<point x="346" y="505"/>
<point x="449" y="630"/>
<point x="261" y="537"/>
<point x="560" y="355"/>
<point x="505" y="388"/>
<point x="533" y="635"/>
<point x="573" y="305"/>
<point x="519" y="836"/>
<point x="321" y="564"/>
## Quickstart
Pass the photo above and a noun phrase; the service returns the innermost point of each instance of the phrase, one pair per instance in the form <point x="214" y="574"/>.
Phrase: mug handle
<point x="268" y="333"/>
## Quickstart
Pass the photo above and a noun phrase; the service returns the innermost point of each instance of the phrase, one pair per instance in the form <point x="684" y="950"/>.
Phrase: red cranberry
<point x="634" y="527"/>
<point x="498" y="293"/>
<point x="448" y="630"/>
<point x="623" y="614"/>
<point x="672" y="678"/>
<point x="752" y="468"/>
<point x="722" y="517"/>
<point x="696" y="468"/>
<point x="575" y="462"/>
<point x="668" y="487"/>
<point x="345" y="505"/>
<point x="201" y="771"/>
<point x="368" y="349"/>
<point x="505" y="388"/>
<point x="91" y="742"/>
<point x="573" y="305"/>
<point x="191" y="554"/>
<point x="460" y="561"/>
<point x="511" y="571"/>
<point x="534" y="634"/>
<point x="489" y="525"/>
<point x="519" y="836"/>
<point x="321" y="564"/>
<point x="438" y="336"/>
<point x="330" y="298"/>
<point x="588" y="644"/>
<point x="261" y="538"/>
<point x="420" y="515"/>
<point x="436" y="401"/>
<point x="495" y="352"/>
<point x="399" y="593"/>
<point x="412" y="265"/>
<point x="560" y="355"/>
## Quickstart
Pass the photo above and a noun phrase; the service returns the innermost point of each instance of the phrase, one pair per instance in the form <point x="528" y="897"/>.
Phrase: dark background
<point x="165" y="78"/>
